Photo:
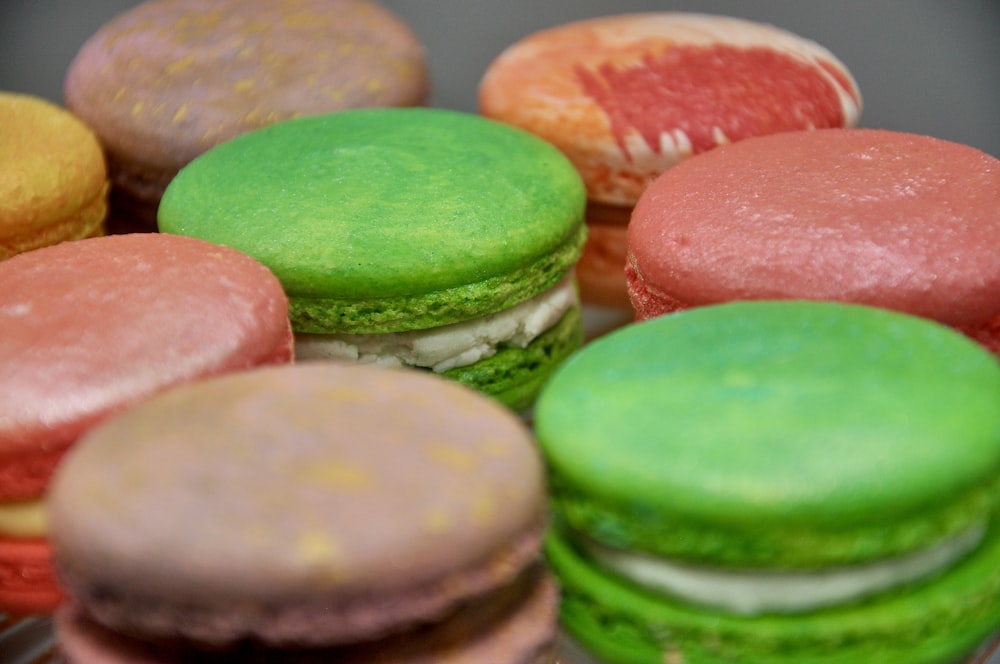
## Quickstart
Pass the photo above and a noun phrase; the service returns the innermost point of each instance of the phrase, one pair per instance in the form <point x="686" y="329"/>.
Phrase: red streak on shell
<point x="695" y="89"/>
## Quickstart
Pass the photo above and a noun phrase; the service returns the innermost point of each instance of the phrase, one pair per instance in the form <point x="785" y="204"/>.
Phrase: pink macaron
<point x="94" y="326"/>
<point x="322" y="512"/>
<point x="877" y="217"/>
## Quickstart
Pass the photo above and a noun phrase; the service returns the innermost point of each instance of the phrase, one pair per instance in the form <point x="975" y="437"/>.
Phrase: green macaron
<point x="776" y="482"/>
<point x="399" y="222"/>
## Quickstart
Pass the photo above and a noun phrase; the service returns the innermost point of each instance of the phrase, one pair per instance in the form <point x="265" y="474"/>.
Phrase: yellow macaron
<point x="53" y="180"/>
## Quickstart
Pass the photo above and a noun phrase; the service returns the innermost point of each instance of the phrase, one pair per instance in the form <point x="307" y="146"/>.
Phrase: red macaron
<point x="627" y="97"/>
<point x="877" y="217"/>
<point x="94" y="326"/>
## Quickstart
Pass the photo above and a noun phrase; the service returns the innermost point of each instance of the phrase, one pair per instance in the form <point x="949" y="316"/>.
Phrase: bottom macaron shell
<point x="646" y="301"/>
<point x="515" y="625"/>
<point x="27" y="580"/>
<point x="601" y="269"/>
<point x="513" y="375"/>
<point x="25" y="475"/>
<point x="935" y="622"/>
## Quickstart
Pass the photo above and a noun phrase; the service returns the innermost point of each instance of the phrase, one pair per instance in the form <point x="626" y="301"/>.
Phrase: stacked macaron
<point x="627" y="97"/>
<point x="314" y="513"/>
<point x="877" y="217"/>
<point x="54" y="184"/>
<point x="776" y="481"/>
<point x="417" y="237"/>
<point x="168" y="79"/>
<point x="92" y="327"/>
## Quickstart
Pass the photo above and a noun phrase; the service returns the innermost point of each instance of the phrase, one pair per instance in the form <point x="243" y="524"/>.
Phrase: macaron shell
<point x="27" y="583"/>
<point x="885" y="218"/>
<point x="281" y="545"/>
<point x="938" y="621"/>
<point x="600" y="270"/>
<point x="54" y="184"/>
<point x="515" y="626"/>
<point x="389" y="219"/>
<point x="636" y="93"/>
<point x="166" y="80"/>
<point x="774" y="435"/>
<point x="514" y="375"/>
<point x="24" y="471"/>
<point x="95" y="325"/>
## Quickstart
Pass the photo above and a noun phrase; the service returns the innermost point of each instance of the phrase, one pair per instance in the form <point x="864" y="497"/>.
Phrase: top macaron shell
<point x="94" y="325"/>
<point x="774" y="434"/>
<point x="310" y="504"/>
<point x="168" y="79"/>
<point x="54" y="185"/>
<point x="886" y="218"/>
<point x="388" y="219"/>
<point x="639" y="92"/>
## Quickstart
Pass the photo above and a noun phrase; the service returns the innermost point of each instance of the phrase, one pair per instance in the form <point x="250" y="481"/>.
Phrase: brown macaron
<point x="168" y="79"/>
<point x="626" y="97"/>
<point x="351" y="510"/>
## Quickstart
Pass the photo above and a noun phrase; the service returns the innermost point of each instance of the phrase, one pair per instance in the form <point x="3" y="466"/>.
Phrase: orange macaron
<point x="626" y="97"/>
<point x="53" y="180"/>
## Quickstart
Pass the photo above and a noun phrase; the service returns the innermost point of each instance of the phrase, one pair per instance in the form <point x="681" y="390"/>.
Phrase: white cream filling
<point x="751" y="592"/>
<point x="449" y="346"/>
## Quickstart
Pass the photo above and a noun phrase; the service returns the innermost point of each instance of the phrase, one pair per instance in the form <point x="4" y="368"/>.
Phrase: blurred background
<point x="925" y="66"/>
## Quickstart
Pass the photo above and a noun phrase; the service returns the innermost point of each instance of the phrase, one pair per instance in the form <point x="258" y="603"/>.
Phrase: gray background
<point x="926" y="66"/>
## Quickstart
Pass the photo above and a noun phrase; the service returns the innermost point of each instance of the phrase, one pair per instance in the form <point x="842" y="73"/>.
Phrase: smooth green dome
<point x="775" y="434"/>
<point x="387" y="219"/>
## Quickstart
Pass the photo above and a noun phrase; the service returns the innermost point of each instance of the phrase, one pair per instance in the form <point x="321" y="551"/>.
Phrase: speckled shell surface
<point x="53" y="181"/>
<point x="628" y="96"/>
<point x="89" y="327"/>
<point x="314" y="503"/>
<point x="166" y="80"/>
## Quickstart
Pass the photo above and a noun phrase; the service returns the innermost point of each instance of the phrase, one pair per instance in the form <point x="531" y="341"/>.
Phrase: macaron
<point x="319" y="512"/>
<point x="167" y="79"/>
<point x="776" y="481"/>
<point x="627" y="97"/>
<point x="416" y="237"/>
<point x="883" y="218"/>
<point x="55" y="184"/>
<point x="92" y="327"/>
